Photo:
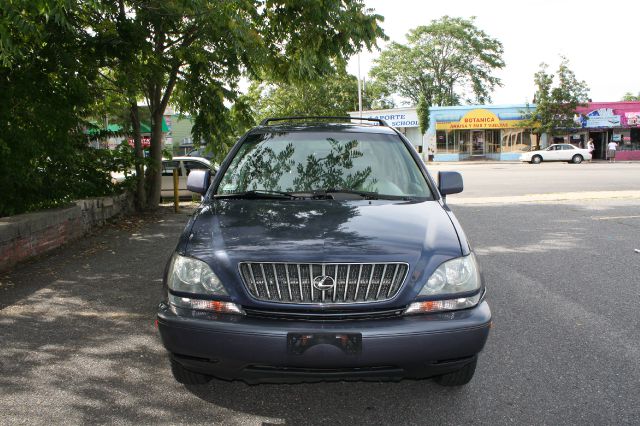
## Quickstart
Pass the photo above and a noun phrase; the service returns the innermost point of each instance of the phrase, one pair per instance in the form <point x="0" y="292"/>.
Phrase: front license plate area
<point x="349" y="343"/>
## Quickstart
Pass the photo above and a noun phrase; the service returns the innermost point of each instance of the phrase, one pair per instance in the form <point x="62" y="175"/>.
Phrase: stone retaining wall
<point x="30" y="234"/>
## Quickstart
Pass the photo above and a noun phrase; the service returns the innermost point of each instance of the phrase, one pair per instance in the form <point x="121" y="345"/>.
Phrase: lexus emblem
<point x="324" y="283"/>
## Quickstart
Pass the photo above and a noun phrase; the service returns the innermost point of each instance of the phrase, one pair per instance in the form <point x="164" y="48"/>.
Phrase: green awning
<point x="111" y="128"/>
<point x="146" y="127"/>
<point x="116" y="128"/>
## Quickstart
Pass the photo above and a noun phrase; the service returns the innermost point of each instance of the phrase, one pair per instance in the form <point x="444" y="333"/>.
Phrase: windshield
<point x="302" y="162"/>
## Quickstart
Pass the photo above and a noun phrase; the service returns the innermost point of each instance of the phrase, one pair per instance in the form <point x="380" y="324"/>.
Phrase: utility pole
<point x="359" y="88"/>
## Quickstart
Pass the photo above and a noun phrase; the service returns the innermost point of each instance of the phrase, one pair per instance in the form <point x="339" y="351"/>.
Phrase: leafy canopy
<point x="631" y="97"/>
<point x="332" y="95"/>
<point x="195" y="52"/>
<point x="556" y="99"/>
<point x="448" y="62"/>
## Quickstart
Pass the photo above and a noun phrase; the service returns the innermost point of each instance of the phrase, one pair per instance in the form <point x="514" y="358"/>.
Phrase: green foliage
<point x="556" y="99"/>
<point x="631" y="97"/>
<point x="48" y="81"/>
<point x="63" y="63"/>
<point x="201" y="49"/>
<point x="422" y="111"/>
<point x="376" y="95"/>
<point x="333" y="95"/>
<point x="447" y="62"/>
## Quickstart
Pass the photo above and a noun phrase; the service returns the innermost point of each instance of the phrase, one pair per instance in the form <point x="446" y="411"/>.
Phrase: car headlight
<point x="190" y="275"/>
<point x="455" y="276"/>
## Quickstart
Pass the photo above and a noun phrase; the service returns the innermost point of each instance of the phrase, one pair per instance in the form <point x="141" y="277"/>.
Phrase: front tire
<point x="459" y="377"/>
<point x="577" y="159"/>
<point x="536" y="159"/>
<point x="188" y="377"/>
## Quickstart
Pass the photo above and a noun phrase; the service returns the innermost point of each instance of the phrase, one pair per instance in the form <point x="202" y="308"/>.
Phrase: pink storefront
<point x="611" y="121"/>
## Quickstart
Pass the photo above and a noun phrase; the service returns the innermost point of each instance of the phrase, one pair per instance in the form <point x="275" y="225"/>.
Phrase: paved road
<point x="504" y="179"/>
<point x="77" y="342"/>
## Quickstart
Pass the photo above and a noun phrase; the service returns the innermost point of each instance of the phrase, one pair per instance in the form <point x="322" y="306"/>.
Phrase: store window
<point x="463" y="139"/>
<point x="492" y="141"/>
<point x="446" y="142"/>
<point x="632" y="142"/>
<point x="515" y="140"/>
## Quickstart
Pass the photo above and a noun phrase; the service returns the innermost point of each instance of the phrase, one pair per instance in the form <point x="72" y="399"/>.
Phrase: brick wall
<point x="27" y="235"/>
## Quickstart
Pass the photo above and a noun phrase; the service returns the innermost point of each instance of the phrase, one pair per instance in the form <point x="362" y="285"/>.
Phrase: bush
<point x="55" y="179"/>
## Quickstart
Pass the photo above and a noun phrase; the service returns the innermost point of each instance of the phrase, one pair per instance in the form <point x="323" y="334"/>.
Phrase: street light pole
<point x="359" y="88"/>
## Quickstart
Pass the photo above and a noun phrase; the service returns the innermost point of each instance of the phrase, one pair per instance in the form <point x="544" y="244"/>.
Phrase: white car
<point x="557" y="152"/>
<point x="184" y="165"/>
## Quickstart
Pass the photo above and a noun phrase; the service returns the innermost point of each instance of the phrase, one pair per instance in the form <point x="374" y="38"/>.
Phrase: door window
<point x="169" y="166"/>
<point x="194" y="165"/>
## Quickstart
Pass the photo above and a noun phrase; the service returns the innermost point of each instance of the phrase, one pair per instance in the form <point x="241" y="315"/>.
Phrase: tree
<point x="333" y="95"/>
<point x="555" y="104"/>
<point x="48" y="73"/>
<point x="630" y="97"/>
<point x="447" y="62"/>
<point x="194" y="53"/>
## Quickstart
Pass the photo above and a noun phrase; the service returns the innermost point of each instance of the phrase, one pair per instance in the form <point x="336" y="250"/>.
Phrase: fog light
<point x="205" y="305"/>
<point x="443" y="305"/>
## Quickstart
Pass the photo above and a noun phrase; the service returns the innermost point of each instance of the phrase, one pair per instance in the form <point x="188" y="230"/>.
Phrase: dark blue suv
<point x="323" y="251"/>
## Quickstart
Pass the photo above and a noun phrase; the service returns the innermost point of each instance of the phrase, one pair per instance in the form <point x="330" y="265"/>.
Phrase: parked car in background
<point x="184" y="165"/>
<point x="557" y="152"/>
<point x="200" y="152"/>
<point x="323" y="251"/>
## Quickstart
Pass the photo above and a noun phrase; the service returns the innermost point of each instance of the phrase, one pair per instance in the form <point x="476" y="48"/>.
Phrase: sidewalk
<point x="494" y="162"/>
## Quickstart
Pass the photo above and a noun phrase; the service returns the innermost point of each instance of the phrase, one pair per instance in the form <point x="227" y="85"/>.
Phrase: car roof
<point x="324" y="127"/>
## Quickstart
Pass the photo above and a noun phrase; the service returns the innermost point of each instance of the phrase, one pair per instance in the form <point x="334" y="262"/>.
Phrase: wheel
<point x="460" y="377"/>
<point x="577" y="159"/>
<point x="188" y="377"/>
<point x="536" y="159"/>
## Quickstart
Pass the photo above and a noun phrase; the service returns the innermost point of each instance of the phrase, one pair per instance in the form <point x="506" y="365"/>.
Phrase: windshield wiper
<point x="258" y="194"/>
<point x="367" y="195"/>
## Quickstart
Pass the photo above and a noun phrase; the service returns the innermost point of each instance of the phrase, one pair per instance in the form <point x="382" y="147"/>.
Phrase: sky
<point x="600" y="39"/>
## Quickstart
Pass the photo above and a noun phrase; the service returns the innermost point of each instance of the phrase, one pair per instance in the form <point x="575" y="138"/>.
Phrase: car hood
<point x="226" y="232"/>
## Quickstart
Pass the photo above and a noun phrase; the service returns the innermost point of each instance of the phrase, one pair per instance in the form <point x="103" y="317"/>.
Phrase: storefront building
<point x="492" y="132"/>
<point x="608" y="121"/>
<point x="496" y="132"/>
<point x="463" y="132"/>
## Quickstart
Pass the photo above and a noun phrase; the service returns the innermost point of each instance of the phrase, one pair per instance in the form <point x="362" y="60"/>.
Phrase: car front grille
<point x="343" y="282"/>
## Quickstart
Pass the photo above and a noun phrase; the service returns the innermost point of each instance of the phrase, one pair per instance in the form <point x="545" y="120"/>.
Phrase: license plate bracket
<point x="349" y="343"/>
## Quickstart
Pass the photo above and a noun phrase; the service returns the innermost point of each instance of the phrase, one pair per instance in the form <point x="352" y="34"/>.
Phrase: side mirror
<point x="449" y="183"/>
<point x="198" y="181"/>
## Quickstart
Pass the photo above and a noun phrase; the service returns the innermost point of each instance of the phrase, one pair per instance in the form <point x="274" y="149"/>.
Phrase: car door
<point x="567" y="152"/>
<point x="551" y="153"/>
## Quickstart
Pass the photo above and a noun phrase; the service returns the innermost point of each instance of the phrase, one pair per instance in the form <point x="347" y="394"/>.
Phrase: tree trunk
<point x="154" y="172"/>
<point x="140" y="195"/>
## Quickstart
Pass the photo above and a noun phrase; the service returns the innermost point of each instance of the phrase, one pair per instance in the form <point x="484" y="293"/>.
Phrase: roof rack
<point x="380" y="121"/>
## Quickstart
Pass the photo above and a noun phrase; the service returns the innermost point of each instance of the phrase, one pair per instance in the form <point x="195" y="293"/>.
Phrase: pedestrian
<point x="612" y="147"/>
<point x="591" y="147"/>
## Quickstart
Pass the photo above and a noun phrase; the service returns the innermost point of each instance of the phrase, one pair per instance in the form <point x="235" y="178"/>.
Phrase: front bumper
<point x="256" y="350"/>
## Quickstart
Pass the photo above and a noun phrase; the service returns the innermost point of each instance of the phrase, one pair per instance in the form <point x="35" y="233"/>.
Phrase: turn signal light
<point x="442" y="305"/>
<point x="206" y="305"/>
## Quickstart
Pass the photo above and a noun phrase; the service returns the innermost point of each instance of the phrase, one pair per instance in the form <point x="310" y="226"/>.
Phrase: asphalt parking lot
<point x="78" y="344"/>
